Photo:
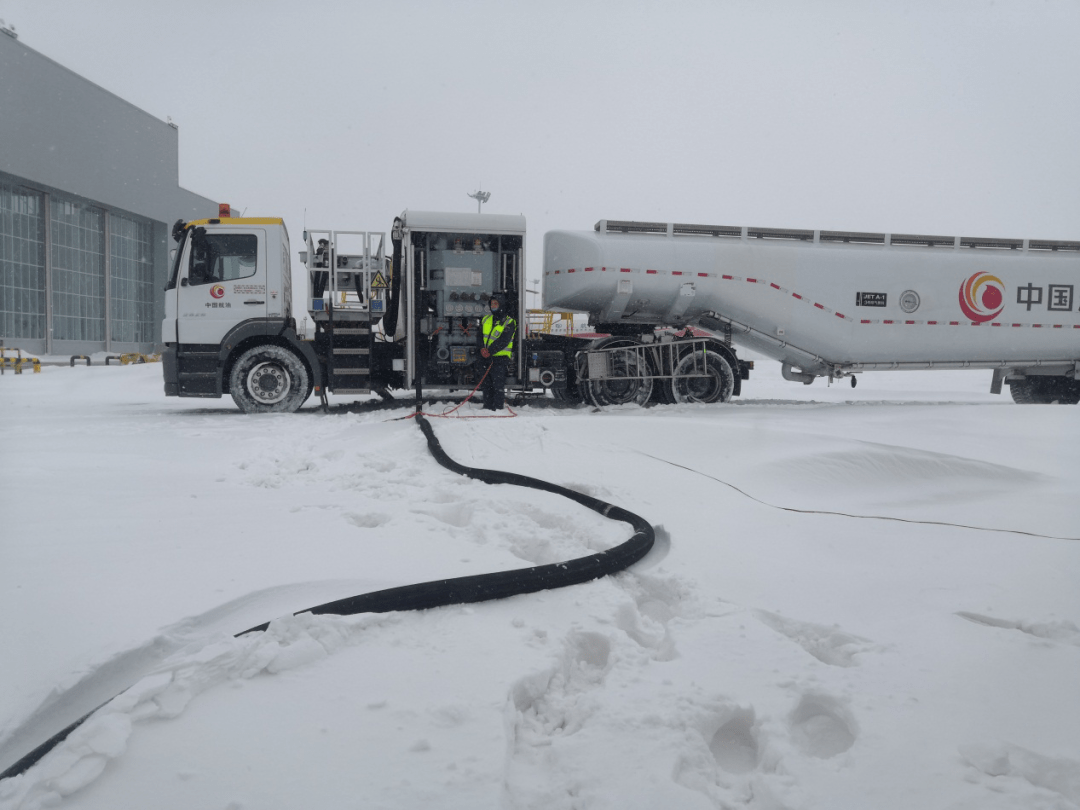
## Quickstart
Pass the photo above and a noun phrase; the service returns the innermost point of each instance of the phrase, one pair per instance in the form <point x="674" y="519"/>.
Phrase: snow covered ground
<point x="861" y="598"/>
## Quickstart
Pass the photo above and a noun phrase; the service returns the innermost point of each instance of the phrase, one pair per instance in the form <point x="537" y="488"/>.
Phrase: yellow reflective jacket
<point x="499" y="335"/>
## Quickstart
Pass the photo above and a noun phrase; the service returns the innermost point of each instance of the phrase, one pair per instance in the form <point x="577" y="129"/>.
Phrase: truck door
<point x="222" y="283"/>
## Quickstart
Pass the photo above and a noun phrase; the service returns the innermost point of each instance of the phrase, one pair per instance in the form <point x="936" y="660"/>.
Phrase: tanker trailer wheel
<point x="702" y="376"/>
<point x="1067" y="391"/>
<point x="1045" y="391"/>
<point x="629" y="379"/>
<point x="662" y="391"/>
<point x="269" y="379"/>
<point x="566" y="394"/>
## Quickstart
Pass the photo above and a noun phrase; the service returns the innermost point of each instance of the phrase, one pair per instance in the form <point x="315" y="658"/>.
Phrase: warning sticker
<point x="379" y="283"/>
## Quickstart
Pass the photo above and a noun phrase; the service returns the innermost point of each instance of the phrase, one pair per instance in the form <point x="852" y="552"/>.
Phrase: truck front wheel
<point x="269" y="379"/>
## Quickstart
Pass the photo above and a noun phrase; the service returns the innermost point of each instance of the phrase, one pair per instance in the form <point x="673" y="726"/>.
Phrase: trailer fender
<point x="998" y="378"/>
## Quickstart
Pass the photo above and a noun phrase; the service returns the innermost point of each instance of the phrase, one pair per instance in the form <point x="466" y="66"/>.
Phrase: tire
<point x="661" y="394"/>
<point x="1023" y="392"/>
<point x="717" y="385"/>
<point x="269" y="379"/>
<point x="1045" y="391"/>
<point x="617" y="390"/>
<point x="1059" y="390"/>
<point x="566" y="391"/>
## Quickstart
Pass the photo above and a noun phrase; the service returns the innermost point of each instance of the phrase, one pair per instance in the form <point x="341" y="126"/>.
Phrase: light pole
<point x="481" y="197"/>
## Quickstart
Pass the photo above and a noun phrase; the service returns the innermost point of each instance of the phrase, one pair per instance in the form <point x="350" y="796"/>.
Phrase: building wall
<point x="89" y="188"/>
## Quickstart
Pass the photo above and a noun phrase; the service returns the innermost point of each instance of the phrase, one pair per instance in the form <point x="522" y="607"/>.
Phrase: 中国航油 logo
<point x="982" y="297"/>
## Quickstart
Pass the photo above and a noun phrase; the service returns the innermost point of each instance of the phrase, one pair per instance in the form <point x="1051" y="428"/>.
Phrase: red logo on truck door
<point x="982" y="297"/>
<point x="217" y="291"/>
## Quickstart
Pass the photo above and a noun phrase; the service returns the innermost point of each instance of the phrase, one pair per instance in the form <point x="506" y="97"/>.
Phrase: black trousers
<point x="494" y="383"/>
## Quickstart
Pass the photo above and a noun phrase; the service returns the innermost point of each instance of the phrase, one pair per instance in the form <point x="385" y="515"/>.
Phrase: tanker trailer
<point x="822" y="303"/>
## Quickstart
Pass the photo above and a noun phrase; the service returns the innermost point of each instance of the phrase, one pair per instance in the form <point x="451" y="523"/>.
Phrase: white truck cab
<point x="231" y="284"/>
<point x="237" y="271"/>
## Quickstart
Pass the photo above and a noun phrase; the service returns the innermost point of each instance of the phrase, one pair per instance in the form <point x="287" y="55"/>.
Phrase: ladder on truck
<point x="345" y="295"/>
<point x="349" y="360"/>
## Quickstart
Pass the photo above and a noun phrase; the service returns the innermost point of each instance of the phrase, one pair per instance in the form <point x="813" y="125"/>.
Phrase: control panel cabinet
<point x="459" y="274"/>
<point x="454" y="264"/>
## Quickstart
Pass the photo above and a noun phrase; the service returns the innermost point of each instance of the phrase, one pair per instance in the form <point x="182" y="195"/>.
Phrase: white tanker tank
<point x="832" y="303"/>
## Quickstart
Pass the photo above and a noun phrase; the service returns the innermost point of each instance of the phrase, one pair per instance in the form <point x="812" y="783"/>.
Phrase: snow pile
<point x="815" y="628"/>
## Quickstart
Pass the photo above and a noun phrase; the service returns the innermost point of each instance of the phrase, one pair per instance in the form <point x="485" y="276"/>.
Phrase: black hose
<point x="482" y="587"/>
<point x="463" y="590"/>
<point x="391" y="317"/>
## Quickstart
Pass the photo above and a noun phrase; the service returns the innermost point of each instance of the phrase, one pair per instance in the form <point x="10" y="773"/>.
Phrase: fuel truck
<point x="668" y="307"/>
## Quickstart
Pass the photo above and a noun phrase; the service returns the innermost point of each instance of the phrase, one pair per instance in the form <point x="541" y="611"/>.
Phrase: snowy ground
<point x="809" y="632"/>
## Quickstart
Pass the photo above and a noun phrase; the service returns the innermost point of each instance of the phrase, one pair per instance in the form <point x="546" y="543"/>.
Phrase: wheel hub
<point x="268" y="383"/>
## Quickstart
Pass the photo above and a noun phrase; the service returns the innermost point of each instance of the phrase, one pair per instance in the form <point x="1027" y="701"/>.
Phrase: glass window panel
<point x="131" y="260"/>
<point x="78" y="271"/>
<point x="22" y="266"/>
<point x="223" y="257"/>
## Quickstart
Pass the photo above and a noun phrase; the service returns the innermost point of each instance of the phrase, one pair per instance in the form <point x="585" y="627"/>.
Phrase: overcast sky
<point x="959" y="117"/>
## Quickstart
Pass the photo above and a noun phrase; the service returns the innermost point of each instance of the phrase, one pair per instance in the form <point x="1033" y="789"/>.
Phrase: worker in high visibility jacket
<point x="496" y="347"/>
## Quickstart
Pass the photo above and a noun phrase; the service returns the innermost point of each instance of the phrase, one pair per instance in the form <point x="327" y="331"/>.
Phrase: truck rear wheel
<point x="702" y="376"/>
<point x="269" y="379"/>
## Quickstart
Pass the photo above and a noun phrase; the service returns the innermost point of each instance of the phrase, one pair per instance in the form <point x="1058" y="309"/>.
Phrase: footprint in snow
<point x="657" y="600"/>
<point x="458" y="515"/>
<point x="736" y="766"/>
<point x="551" y="704"/>
<point x="372" y="520"/>
<point x="1058" y="630"/>
<point x="830" y="645"/>
<point x="734" y="746"/>
<point x="1021" y="772"/>
<point x="821" y="726"/>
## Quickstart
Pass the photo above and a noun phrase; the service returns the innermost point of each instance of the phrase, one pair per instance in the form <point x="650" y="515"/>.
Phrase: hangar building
<point x="89" y="189"/>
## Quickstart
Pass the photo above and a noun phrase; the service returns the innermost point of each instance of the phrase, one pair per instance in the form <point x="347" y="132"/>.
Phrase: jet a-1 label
<point x="869" y="299"/>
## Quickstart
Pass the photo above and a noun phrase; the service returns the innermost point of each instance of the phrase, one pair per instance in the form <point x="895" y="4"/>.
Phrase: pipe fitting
<point x="795" y="376"/>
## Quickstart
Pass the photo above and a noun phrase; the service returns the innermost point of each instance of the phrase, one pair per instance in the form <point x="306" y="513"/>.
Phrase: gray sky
<point x="957" y="117"/>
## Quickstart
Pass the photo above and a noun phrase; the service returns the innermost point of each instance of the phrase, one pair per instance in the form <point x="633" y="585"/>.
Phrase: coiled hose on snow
<point x="463" y="590"/>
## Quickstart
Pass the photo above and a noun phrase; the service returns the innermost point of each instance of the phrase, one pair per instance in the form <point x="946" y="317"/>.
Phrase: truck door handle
<point x="255" y="302"/>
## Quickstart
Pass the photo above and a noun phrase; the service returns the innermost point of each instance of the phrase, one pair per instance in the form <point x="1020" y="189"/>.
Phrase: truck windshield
<point x="217" y="257"/>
